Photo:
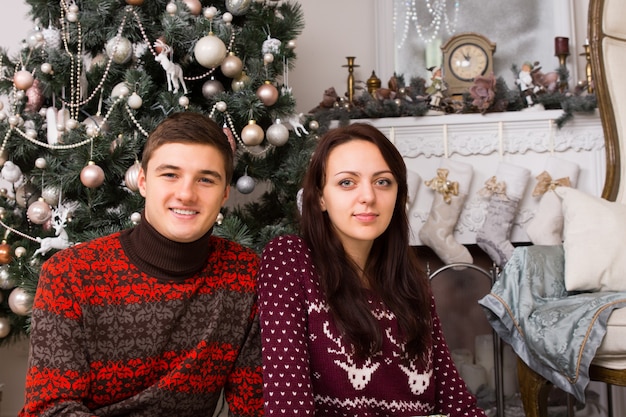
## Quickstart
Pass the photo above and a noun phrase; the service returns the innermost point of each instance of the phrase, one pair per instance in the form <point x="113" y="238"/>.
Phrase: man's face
<point x="185" y="187"/>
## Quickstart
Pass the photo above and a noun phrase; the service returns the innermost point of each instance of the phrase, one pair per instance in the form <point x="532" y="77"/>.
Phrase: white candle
<point x="461" y="357"/>
<point x="433" y="53"/>
<point x="483" y="352"/>
<point x="474" y="376"/>
<point x="392" y="135"/>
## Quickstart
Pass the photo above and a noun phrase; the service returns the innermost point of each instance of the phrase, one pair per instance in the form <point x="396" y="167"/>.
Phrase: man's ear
<point x="141" y="182"/>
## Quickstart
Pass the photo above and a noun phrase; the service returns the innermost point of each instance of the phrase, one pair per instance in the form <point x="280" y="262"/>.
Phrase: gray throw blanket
<point x="554" y="331"/>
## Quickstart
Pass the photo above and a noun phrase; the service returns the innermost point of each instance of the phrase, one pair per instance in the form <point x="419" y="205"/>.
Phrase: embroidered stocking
<point x="505" y="190"/>
<point x="546" y="228"/>
<point x="451" y="187"/>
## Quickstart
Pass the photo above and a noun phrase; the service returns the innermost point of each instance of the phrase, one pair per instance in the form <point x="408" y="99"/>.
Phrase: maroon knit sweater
<point x="133" y="324"/>
<point x="310" y="370"/>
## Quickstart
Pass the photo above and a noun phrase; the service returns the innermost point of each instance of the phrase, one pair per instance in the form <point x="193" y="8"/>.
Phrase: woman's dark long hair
<point x="392" y="269"/>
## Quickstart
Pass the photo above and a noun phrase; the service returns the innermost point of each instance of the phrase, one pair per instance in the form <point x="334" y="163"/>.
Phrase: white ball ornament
<point x="5" y="327"/>
<point x="171" y="8"/>
<point x="209" y="12"/>
<point x="252" y="134"/>
<point x="183" y="101"/>
<point x="46" y="68"/>
<point x="221" y="106"/>
<point x="245" y="184"/>
<point x="135" y="218"/>
<point x="134" y="101"/>
<point x="227" y="17"/>
<point x="92" y="176"/>
<point x="120" y="90"/>
<point x="39" y="212"/>
<point x="277" y="134"/>
<point x="41" y="163"/>
<point x="20" y="251"/>
<point x="20" y="302"/>
<point x="131" y="176"/>
<point x="268" y="58"/>
<point x="209" y="51"/>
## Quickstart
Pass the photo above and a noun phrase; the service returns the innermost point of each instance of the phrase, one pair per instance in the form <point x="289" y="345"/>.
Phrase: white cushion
<point x="612" y="352"/>
<point x="594" y="243"/>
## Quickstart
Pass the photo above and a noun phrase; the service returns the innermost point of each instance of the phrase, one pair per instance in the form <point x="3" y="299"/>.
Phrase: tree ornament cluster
<point x="85" y="90"/>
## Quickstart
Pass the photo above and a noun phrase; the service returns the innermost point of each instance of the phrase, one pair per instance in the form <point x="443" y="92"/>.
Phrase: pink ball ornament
<point x="232" y="66"/>
<point x="23" y="79"/>
<point x="267" y="93"/>
<point x="92" y="176"/>
<point x="20" y="302"/>
<point x="252" y="134"/>
<point x="194" y="6"/>
<point x="35" y="98"/>
<point x="39" y="212"/>
<point x="209" y="51"/>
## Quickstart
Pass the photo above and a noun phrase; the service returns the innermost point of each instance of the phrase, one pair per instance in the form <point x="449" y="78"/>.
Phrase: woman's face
<point x="359" y="194"/>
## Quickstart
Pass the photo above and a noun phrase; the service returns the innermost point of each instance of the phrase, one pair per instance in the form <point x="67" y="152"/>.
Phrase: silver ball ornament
<point x="314" y="125"/>
<point x="252" y="134"/>
<point x="131" y="176"/>
<point x="238" y="7"/>
<point x="211" y="87"/>
<point x="20" y="302"/>
<point x="221" y="106"/>
<point x="245" y="184"/>
<point x="183" y="101"/>
<point x="6" y="280"/>
<point x="5" y="327"/>
<point x="51" y="195"/>
<point x="92" y="176"/>
<point x="209" y="51"/>
<point x="39" y="212"/>
<point x="119" y="49"/>
<point x="277" y="134"/>
<point x="135" y="218"/>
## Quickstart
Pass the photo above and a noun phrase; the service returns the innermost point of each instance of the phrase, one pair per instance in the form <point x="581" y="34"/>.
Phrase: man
<point x="156" y="320"/>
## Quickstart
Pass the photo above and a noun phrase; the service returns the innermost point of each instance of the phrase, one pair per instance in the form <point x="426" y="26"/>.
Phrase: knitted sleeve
<point x="58" y="372"/>
<point x="453" y="398"/>
<point x="283" y="312"/>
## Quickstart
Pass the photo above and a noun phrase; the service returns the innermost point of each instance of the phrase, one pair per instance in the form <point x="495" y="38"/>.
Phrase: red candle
<point x="561" y="46"/>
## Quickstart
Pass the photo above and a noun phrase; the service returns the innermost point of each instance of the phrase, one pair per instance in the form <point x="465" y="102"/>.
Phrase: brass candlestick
<point x="351" y="68"/>
<point x="587" y="55"/>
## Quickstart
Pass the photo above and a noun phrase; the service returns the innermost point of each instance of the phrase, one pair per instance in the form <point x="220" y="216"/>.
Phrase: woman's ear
<point x="322" y="203"/>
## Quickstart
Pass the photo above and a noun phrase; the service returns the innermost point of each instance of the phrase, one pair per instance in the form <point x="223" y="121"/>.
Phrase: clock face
<point x="467" y="61"/>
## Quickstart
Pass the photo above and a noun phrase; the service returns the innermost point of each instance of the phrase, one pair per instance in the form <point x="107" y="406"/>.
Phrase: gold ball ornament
<point x="252" y="134"/>
<point x="277" y="134"/>
<point x="267" y="93"/>
<point x="92" y="176"/>
<point x="119" y="49"/>
<point x="232" y="66"/>
<point x="20" y="302"/>
<point x="39" y="212"/>
<point x="23" y="79"/>
<point x="5" y="327"/>
<point x="240" y="82"/>
<point x="194" y="6"/>
<point x="5" y="253"/>
<point x="134" y="2"/>
<point x="131" y="176"/>
<point x="209" y="51"/>
<point x="238" y="7"/>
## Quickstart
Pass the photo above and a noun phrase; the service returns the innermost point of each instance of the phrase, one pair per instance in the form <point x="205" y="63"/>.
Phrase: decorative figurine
<point x="436" y="88"/>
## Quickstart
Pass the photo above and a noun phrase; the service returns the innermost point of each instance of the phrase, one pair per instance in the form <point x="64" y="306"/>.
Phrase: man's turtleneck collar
<point x="161" y="257"/>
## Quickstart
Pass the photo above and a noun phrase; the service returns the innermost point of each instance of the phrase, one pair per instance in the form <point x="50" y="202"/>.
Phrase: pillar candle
<point x="474" y="376"/>
<point x="561" y="46"/>
<point x="433" y="56"/>
<point x="483" y="352"/>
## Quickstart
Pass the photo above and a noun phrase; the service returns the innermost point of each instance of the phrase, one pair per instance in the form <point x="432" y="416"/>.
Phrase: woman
<point x="348" y="322"/>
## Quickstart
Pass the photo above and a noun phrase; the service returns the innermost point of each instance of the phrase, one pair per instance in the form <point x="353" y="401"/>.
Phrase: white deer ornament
<point x="61" y="239"/>
<point x="173" y="71"/>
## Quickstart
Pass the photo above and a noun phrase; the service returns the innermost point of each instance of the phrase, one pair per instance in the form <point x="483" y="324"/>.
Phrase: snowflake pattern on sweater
<point x="309" y="369"/>
<point x="110" y="340"/>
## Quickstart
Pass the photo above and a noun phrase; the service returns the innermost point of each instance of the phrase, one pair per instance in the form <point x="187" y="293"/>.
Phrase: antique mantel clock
<point x="466" y="56"/>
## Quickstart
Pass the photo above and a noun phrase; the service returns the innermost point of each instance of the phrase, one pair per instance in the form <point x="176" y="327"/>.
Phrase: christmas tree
<point x="94" y="77"/>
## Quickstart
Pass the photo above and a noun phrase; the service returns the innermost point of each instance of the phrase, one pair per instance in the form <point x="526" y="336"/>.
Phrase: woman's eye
<point x="346" y="183"/>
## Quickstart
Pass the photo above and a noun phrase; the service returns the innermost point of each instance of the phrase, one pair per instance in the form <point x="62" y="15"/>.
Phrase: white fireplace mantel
<point x="523" y="138"/>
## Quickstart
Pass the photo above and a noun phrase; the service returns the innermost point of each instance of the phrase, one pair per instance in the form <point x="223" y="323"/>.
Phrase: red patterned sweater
<point x="110" y="340"/>
<point x="309" y="370"/>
